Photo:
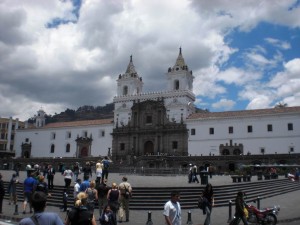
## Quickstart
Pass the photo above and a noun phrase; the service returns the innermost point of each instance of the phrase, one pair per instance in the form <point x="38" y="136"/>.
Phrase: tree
<point x="281" y="105"/>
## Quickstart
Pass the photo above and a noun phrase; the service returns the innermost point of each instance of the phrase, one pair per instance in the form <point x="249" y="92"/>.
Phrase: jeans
<point x="208" y="213"/>
<point x="124" y="207"/>
<point x="102" y="202"/>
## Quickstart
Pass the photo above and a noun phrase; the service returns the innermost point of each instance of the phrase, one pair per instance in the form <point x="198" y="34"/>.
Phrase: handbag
<point x="115" y="205"/>
<point x="200" y="202"/>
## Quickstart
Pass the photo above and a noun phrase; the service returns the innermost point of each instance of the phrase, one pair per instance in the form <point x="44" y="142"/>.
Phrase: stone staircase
<point x="154" y="198"/>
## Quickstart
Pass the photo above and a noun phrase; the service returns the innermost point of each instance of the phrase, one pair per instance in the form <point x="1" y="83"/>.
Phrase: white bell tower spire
<point x="180" y="84"/>
<point x="130" y="83"/>
<point x="130" y="86"/>
<point x="40" y="119"/>
<point x="179" y="76"/>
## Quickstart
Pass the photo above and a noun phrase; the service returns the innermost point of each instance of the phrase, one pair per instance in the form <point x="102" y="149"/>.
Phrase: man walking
<point x="29" y="185"/>
<point x="85" y="184"/>
<point x="105" y="162"/>
<point x="12" y="189"/>
<point x="50" y="177"/>
<point x="172" y="209"/>
<point x="126" y="190"/>
<point x="102" y="189"/>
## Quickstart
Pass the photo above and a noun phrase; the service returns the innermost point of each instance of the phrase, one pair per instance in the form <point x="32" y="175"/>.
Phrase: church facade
<point x="163" y="123"/>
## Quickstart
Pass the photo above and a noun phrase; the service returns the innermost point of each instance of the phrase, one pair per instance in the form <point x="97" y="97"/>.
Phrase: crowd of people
<point x="112" y="201"/>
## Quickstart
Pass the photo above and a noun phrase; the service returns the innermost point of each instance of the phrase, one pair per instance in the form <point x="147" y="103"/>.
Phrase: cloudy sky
<point x="59" y="54"/>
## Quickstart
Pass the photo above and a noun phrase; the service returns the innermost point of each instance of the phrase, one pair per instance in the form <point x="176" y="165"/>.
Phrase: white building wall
<point x="122" y="112"/>
<point x="42" y="139"/>
<point x="280" y="140"/>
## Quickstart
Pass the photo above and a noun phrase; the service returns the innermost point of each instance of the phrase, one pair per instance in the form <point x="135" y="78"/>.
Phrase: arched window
<point x="225" y="152"/>
<point x="125" y="90"/>
<point x="52" y="148"/>
<point x="237" y="151"/>
<point x="176" y="84"/>
<point x="68" y="146"/>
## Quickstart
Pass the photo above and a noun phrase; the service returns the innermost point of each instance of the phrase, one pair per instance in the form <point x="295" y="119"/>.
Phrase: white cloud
<point x="205" y="83"/>
<point x="278" y="43"/>
<point x="77" y="63"/>
<point x="292" y="100"/>
<point x="224" y="104"/>
<point x="259" y="102"/>
<point x="287" y="82"/>
<point x="258" y="95"/>
<point x="238" y="76"/>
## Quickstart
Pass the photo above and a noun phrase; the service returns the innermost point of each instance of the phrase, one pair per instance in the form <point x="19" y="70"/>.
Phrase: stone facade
<point x="149" y="132"/>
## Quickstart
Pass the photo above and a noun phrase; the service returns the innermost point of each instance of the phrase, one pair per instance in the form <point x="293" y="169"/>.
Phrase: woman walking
<point x="208" y="195"/>
<point x="98" y="173"/>
<point x="113" y="197"/>
<point x="80" y="214"/>
<point x="92" y="196"/>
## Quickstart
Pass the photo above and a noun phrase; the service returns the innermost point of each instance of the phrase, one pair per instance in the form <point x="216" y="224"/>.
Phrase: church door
<point x="149" y="148"/>
<point x="84" y="152"/>
<point x="26" y="154"/>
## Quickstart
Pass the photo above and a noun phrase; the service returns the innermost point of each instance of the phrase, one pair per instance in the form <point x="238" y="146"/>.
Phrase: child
<point x="107" y="217"/>
<point x="65" y="200"/>
<point x="76" y="188"/>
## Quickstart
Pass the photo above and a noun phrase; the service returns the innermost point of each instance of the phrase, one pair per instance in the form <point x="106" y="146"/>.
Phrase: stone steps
<point x="154" y="198"/>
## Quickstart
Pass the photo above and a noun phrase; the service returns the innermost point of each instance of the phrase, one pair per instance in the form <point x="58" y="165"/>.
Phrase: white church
<point x="261" y="131"/>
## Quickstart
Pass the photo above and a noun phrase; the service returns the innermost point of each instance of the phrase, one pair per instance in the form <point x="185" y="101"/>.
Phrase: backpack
<point x="41" y="187"/>
<point x="127" y="194"/>
<point x="80" y="216"/>
<point x="105" y="165"/>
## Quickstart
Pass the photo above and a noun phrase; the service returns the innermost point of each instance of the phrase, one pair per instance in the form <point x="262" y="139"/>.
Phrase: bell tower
<point x="179" y="76"/>
<point x="130" y="86"/>
<point x="180" y="86"/>
<point x="40" y="119"/>
<point x="129" y="83"/>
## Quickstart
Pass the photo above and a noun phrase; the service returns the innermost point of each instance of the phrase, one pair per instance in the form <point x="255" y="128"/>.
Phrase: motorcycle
<point x="259" y="216"/>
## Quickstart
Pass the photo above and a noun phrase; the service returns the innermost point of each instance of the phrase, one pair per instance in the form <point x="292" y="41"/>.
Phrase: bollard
<point x="258" y="202"/>
<point x="16" y="210"/>
<point x="189" y="221"/>
<point x="149" y="221"/>
<point x="229" y="211"/>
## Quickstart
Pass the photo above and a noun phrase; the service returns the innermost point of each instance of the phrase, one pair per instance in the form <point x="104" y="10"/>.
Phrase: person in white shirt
<point x="68" y="174"/>
<point x="98" y="172"/>
<point x="172" y="209"/>
<point x="77" y="188"/>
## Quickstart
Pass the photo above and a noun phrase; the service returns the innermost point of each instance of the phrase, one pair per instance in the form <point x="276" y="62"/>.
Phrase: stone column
<point x="9" y="134"/>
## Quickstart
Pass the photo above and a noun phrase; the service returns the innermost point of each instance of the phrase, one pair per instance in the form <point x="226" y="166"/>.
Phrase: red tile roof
<point x="79" y="123"/>
<point x="244" y="113"/>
